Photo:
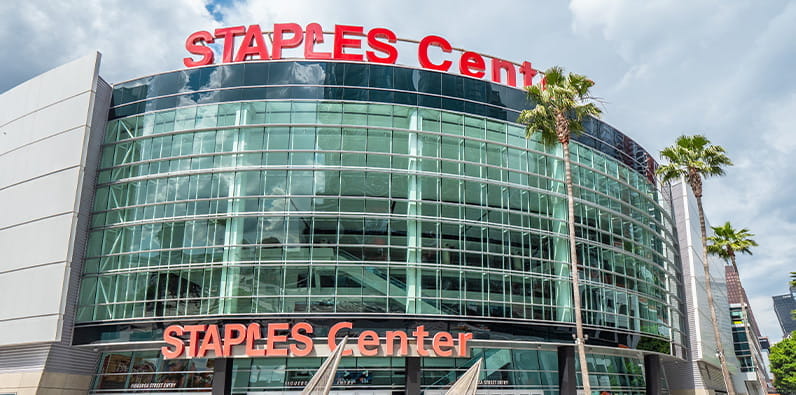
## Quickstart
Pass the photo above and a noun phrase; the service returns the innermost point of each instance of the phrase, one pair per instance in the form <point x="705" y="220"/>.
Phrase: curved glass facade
<point x="342" y="191"/>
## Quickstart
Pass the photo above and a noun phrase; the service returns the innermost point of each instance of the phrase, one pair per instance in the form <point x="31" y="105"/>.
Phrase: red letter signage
<point x="347" y="45"/>
<point x="285" y="340"/>
<point x="422" y="53"/>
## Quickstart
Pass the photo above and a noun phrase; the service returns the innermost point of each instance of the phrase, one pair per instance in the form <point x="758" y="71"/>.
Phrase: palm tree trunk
<point x="573" y="257"/>
<point x="709" y="290"/>
<point x="747" y="323"/>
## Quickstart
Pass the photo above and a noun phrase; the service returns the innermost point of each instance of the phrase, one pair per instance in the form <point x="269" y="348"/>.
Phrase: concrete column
<point x="222" y="376"/>
<point x="652" y="374"/>
<point x="412" y="375"/>
<point x="567" y="384"/>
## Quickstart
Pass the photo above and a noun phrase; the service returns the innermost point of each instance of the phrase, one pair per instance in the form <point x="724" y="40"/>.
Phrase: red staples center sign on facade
<point x="283" y="340"/>
<point x="349" y="43"/>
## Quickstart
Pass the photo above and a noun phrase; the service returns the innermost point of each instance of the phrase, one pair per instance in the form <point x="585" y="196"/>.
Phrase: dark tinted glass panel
<point x="429" y="101"/>
<point x="429" y="82"/>
<point x="405" y="79"/>
<point x="452" y="85"/>
<point x="474" y="89"/>
<point x="357" y="75"/>
<point x="382" y="96"/>
<point x="256" y="74"/>
<point x="385" y="78"/>
<point x="381" y="77"/>
<point x="335" y="73"/>
<point x="309" y="73"/>
<point x="280" y="73"/>
<point x="355" y="94"/>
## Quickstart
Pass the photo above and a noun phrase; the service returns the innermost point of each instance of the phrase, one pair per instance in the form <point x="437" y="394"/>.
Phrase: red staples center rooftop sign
<point x="240" y="43"/>
<point x="283" y="340"/>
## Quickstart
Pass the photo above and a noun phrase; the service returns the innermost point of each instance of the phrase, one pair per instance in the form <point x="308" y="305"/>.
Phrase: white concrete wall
<point x="44" y="128"/>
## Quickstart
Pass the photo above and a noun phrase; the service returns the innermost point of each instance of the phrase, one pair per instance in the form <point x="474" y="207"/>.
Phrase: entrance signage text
<point x="348" y="44"/>
<point x="283" y="340"/>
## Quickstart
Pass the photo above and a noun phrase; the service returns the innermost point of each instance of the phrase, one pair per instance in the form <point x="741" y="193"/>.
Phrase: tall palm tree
<point x="562" y="102"/>
<point x="693" y="157"/>
<point x="724" y="244"/>
<point x="727" y="241"/>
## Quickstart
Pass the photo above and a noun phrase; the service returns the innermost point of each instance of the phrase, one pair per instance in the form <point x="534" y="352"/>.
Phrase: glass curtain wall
<point x="340" y="207"/>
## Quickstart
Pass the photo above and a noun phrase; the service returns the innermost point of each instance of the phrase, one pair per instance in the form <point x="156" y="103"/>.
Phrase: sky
<point x="722" y="68"/>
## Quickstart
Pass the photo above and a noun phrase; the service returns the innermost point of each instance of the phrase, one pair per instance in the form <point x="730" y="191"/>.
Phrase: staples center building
<point x="223" y="227"/>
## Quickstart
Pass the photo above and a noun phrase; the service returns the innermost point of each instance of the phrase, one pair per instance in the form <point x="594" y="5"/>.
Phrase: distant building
<point x="784" y="306"/>
<point x="701" y="372"/>
<point x="744" y="328"/>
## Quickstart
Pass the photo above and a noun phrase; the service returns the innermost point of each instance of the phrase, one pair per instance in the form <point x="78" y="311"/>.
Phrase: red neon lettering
<point x="368" y="343"/>
<point x="384" y="47"/>
<point x="333" y="334"/>
<point x="472" y="64"/>
<point x="253" y="332"/>
<point x="281" y="42"/>
<point x="420" y="333"/>
<point x="272" y="339"/>
<point x="211" y="341"/>
<point x="341" y="43"/>
<point x="234" y="334"/>
<point x="463" y="338"/>
<point x="169" y="336"/>
<point x="403" y="347"/>
<point x="193" y="339"/>
<point x="228" y="34"/>
<point x="314" y="34"/>
<point x="303" y="339"/>
<point x="528" y="72"/>
<point x="442" y="339"/>
<point x="499" y="64"/>
<point x="422" y="52"/>
<point x="193" y="46"/>
<point x="252" y="44"/>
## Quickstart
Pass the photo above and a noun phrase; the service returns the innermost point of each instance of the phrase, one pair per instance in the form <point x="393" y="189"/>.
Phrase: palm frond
<point x="727" y="241"/>
<point x="693" y="153"/>
<point x="562" y="94"/>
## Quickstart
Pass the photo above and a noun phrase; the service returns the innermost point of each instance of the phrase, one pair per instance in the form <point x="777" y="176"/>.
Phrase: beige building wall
<point x="50" y="130"/>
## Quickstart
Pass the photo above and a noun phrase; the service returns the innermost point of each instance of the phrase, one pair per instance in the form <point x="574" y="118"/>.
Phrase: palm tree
<point x="562" y="102"/>
<point x="693" y="157"/>
<point x="724" y="244"/>
<point x="727" y="241"/>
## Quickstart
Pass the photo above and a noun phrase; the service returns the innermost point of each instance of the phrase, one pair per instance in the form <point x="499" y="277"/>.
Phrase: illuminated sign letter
<point x="442" y="340"/>
<point x="253" y="332"/>
<point x="272" y="339"/>
<point x="333" y="334"/>
<point x="231" y="339"/>
<point x="368" y="343"/>
<point x="169" y="336"/>
<point x="499" y="64"/>
<point x="389" y="50"/>
<point x="422" y="53"/>
<point x="211" y="341"/>
<point x="252" y="44"/>
<point x="303" y="339"/>
<point x="403" y="347"/>
<point x="191" y="44"/>
<point x="528" y="72"/>
<point x="420" y="333"/>
<point x="314" y="34"/>
<point x="228" y="34"/>
<point x="193" y="339"/>
<point x="341" y="43"/>
<point x="281" y="42"/>
<point x="472" y="64"/>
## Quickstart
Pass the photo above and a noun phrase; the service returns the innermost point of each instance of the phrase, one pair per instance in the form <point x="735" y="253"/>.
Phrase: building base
<point x="43" y="383"/>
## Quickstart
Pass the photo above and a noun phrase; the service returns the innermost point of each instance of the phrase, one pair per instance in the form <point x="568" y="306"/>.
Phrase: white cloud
<point x="135" y="37"/>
